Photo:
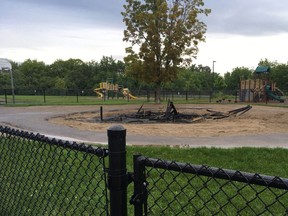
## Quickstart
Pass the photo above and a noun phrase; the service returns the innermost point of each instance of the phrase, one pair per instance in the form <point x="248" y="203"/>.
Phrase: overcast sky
<point x="240" y="32"/>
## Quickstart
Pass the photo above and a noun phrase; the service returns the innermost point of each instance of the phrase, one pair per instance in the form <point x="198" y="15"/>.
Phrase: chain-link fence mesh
<point x="184" y="189"/>
<point x="42" y="176"/>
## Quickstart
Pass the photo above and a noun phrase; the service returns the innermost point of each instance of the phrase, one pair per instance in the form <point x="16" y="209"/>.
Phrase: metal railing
<point x="44" y="176"/>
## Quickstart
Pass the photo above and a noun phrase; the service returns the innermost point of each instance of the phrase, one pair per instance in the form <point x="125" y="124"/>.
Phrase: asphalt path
<point x="35" y="119"/>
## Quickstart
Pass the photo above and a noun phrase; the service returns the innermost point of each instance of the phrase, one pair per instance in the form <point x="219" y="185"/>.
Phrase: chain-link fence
<point x="171" y="188"/>
<point x="68" y="96"/>
<point x="42" y="176"/>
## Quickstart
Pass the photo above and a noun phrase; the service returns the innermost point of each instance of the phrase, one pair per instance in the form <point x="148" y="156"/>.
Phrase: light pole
<point x="212" y="87"/>
<point x="213" y="71"/>
<point x="12" y="85"/>
<point x="213" y="75"/>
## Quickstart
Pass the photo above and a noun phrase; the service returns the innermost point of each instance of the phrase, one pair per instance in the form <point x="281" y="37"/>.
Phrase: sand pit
<point x="258" y="120"/>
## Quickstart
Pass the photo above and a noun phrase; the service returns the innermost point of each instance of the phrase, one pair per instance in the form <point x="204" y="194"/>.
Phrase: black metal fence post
<point x="117" y="173"/>
<point x="77" y="95"/>
<point x="148" y="96"/>
<point x="139" y="199"/>
<point x="44" y="95"/>
<point x="6" y="101"/>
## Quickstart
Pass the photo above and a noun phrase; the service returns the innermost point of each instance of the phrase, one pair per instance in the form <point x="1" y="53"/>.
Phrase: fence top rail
<point x="100" y="152"/>
<point x="226" y="174"/>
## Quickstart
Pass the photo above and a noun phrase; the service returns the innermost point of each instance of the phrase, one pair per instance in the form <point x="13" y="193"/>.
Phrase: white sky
<point x="240" y="32"/>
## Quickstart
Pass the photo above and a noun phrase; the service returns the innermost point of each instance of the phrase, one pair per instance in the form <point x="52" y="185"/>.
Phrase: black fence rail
<point x="44" y="176"/>
<point x="172" y="188"/>
<point x="43" y="96"/>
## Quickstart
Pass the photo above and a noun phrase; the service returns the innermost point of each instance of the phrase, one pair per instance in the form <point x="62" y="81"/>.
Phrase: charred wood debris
<point x="173" y="115"/>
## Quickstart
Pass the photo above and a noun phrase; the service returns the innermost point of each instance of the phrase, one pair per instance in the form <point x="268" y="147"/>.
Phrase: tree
<point x="71" y="74"/>
<point x="166" y="34"/>
<point x="33" y="74"/>
<point x="279" y="74"/>
<point x="232" y="80"/>
<point x="268" y="63"/>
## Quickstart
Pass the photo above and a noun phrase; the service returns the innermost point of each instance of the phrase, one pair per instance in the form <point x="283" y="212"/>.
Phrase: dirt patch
<point x="258" y="120"/>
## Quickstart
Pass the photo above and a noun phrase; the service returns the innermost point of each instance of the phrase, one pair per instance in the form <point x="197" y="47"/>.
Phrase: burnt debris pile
<point x="171" y="114"/>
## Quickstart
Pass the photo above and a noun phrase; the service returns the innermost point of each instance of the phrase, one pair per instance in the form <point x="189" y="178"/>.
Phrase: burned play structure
<point x="172" y="115"/>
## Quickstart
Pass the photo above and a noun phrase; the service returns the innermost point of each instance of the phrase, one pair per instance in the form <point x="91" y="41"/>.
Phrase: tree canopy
<point x="75" y="74"/>
<point x="163" y="34"/>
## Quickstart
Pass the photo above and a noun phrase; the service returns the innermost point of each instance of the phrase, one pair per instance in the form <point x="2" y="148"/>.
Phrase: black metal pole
<point x="6" y="101"/>
<point x="44" y="95"/>
<point x="117" y="173"/>
<point x="148" y="96"/>
<point x="101" y="113"/>
<point x="140" y="203"/>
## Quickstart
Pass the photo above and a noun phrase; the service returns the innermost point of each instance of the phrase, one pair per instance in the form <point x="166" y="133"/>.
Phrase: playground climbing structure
<point x="107" y="89"/>
<point x="260" y="89"/>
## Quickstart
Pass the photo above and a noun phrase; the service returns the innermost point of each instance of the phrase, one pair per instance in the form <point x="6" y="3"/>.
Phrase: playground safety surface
<point x="262" y="126"/>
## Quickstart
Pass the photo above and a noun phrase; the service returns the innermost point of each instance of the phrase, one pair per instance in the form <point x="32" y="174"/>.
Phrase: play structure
<point x="107" y="89"/>
<point x="171" y="114"/>
<point x="260" y="89"/>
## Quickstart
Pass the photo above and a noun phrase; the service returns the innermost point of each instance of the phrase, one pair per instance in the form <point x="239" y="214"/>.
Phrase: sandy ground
<point x="258" y="120"/>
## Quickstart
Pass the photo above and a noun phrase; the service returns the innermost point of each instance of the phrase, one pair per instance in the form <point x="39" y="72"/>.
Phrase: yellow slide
<point x="132" y="96"/>
<point x="97" y="91"/>
<point x="126" y="93"/>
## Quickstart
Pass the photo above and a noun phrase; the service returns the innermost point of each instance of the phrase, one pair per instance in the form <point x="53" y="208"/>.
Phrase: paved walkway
<point x="34" y="119"/>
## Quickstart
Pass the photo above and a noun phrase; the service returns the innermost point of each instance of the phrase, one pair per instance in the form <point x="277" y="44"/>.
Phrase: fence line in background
<point x="42" y="96"/>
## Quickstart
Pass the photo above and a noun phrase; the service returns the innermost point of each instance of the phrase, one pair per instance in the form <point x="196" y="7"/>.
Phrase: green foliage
<point x="33" y="75"/>
<point x="75" y="74"/>
<point x="279" y="74"/>
<point x="69" y="74"/>
<point x="5" y="80"/>
<point x="233" y="79"/>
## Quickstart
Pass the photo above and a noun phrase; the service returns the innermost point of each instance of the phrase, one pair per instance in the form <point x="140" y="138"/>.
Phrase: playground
<point x="108" y="89"/>
<point x="261" y="88"/>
